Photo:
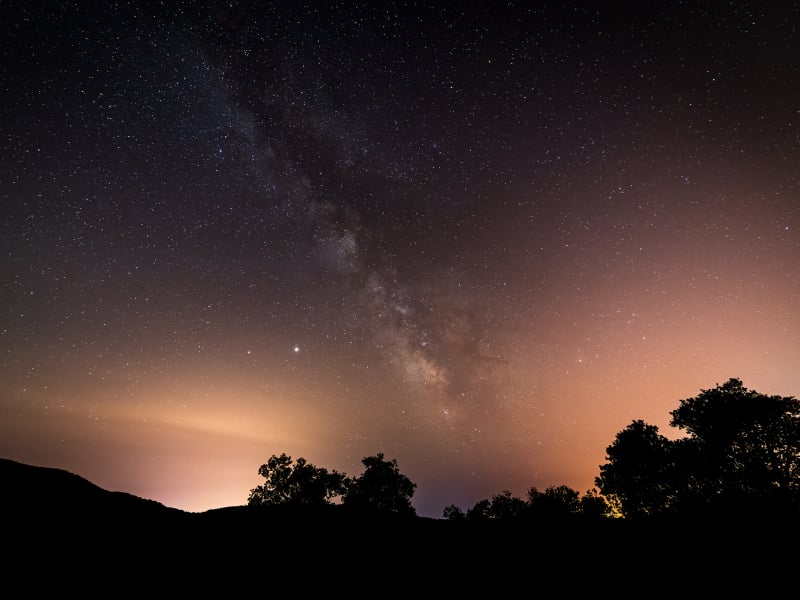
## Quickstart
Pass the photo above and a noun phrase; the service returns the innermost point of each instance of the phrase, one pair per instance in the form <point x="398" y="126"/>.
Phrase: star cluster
<point x="478" y="238"/>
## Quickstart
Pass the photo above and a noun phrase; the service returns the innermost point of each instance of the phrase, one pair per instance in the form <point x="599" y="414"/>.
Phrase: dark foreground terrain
<point x="63" y="534"/>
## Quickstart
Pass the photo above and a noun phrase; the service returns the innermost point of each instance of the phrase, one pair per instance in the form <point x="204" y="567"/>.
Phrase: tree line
<point x="741" y="453"/>
<point x="381" y="486"/>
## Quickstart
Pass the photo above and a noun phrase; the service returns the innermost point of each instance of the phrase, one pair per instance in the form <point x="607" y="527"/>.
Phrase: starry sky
<point x="480" y="238"/>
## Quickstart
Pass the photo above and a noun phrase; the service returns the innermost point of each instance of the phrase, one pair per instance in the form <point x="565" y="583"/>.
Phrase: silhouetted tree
<point x="637" y="471"/>
<point x="381" y="486"/>
<point x="506" y="506"/>
<point x="555" y="502"/>
<point x="593" y="505"/>
<point x="501" y="506"/>
<point x="744" y="445"/>
<point x="302" y="483"/>
<point x="742" y="450"/>
<point x="480" y="511"/>
<point x="453" y="513"/>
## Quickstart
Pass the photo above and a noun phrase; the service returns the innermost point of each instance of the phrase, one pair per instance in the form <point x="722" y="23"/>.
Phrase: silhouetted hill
<point x="54" y="493"/>
<point x="76" y="535"/>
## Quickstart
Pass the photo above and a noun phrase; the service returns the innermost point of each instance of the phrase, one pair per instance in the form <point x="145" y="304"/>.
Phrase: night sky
<point x="480" y="238"/>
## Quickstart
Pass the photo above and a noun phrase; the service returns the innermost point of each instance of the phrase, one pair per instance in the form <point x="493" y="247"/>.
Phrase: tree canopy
<point x="381" y="486"/>
<point x="554" y="503"/>
<point x="742" y="449"/>
<point x="637" y="471"/>
<point x="301" y="483"/>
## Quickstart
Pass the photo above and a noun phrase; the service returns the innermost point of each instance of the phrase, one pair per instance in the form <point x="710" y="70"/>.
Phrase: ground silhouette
<point x="63" y="532"/>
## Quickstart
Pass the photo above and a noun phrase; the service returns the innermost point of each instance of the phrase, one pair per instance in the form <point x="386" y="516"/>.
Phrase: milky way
<point x="479" y="239"/>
